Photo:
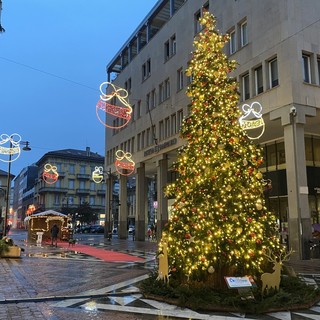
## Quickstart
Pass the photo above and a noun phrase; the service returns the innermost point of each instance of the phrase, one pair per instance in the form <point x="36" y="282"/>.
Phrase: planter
<point x="14" y="252"/>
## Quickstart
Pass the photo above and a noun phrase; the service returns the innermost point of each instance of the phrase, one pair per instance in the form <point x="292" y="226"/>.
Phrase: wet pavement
<point x="59" y="283"/>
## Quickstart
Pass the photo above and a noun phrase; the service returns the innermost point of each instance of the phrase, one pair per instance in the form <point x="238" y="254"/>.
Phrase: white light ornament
<point x="97" y="174"/>
<point x="10" y="146"/>
<point x="251" y="121"/>
<point x="124" y="164"/>
<point x="105" y="108"/>
<point x="50" y="174"/>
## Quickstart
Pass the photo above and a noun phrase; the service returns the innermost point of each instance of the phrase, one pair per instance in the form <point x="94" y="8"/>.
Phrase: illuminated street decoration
<point x="12" y="148"/>
<point x="105" y="107"/>
<point x="50" y="174"/>
<point x="124" y="164"/>
<point x="251" y="121"/>
<point x="97" y="174"/>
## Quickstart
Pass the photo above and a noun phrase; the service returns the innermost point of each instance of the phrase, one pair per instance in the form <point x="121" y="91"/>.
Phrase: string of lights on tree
<point x="219" y="224"/>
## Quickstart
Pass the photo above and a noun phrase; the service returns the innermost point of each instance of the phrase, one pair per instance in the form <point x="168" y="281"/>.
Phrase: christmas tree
<point x="219" y="225"/>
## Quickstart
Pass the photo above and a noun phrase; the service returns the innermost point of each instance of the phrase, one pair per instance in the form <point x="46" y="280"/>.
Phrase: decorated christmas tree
<point x="219" y="225"/>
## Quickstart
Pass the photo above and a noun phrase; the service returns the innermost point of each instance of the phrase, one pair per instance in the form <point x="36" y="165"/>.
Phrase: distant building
<point x="3" y="197"/>
<point x="277" y="46"/>
<point x="74" y="185"/>
<point x="23" y="194"/>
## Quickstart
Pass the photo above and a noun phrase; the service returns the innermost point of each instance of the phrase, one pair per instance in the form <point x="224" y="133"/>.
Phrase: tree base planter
<point x="13" y="252"/>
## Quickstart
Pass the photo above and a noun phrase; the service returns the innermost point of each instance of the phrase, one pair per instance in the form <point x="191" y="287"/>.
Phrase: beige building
<point x="277" y="46"/>
<point x="65" y="181"/>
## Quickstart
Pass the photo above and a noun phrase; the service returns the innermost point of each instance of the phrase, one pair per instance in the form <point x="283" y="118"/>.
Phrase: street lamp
<point x="25" y="148"/>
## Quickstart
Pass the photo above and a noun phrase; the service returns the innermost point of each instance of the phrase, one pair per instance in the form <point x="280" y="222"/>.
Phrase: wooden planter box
<point x="14" y="252"/>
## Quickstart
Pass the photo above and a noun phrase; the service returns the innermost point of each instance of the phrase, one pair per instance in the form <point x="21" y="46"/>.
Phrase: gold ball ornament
<point x="211" y="269"/>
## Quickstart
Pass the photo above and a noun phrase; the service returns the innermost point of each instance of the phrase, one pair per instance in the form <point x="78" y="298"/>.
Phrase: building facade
<point x="23" y="195"/>
<point x="277" y="46"/>
<point x="65" y="181"/>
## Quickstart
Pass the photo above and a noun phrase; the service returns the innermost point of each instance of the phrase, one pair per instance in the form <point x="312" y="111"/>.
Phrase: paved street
<point x="58" y="283"/>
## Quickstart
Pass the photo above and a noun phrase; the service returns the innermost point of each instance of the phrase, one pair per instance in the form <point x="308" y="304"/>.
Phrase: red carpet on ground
<point x="100" y="253"/>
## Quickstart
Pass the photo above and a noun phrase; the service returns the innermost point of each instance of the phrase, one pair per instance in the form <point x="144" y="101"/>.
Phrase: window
<point x="273" y="73"/>
<point x="82" y="169"/>
<point x="243" y="34"/>
<point x="148" y="137"/>
<point x="318" y="65"/>
<point x="133" y="112"/>
<point x="153" y="98"/>
<point x="146" y="69"/>
<point x="166" y="50"/>
<point x="161" y="93"/>
<point x="71" y="183"/>
<point x="82" y="185"/>
<point x="306" y="68"/>
<point x="167" y="88"/>
<point x="148" y="102"/>
<point x="127" y="85"/>
<point x="92" y="186"/>
<point x="179" y="79"/>
<point x="139" y="141"/>
<point x="197" y="26"/>
<point x="71" y="168"/>
<point x="91" y="200"/>
<point x="173" y="43"/>
<point x="180" y="118"/>
<point x="167" y="127"/>
<point x="258" y="80"/>
<point x="161" y="130"/>
<point x="143" y="137"/>
<point x="170" y="48"/>
<point x="245" y="87"/>
<point x="139" y="111"/>
<point x="173" y="124"/>
<point x="232" y="42"/>
<point x="57" y="199"/>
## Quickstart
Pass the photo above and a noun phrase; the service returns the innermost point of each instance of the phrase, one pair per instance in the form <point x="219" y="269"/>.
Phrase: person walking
<point x="54" y="234"/>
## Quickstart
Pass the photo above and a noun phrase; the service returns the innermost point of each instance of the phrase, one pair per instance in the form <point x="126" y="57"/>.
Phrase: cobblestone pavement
<point x="57" y="283"/>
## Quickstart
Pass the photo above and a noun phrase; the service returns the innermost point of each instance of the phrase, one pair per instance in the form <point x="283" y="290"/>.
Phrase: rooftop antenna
<point x="1" y="28"/>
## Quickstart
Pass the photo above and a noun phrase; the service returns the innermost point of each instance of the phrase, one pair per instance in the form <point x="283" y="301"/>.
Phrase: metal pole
<point x="7" y="193"/>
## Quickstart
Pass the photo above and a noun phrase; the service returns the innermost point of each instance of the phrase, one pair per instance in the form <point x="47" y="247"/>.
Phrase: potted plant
<point x="8" y="249"/>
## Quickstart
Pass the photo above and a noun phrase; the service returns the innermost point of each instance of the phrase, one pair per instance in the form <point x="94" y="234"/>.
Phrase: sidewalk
<point x="64" y="283"/>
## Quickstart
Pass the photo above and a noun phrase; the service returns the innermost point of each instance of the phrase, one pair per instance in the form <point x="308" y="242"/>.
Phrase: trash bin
<point x="314" y="248"/>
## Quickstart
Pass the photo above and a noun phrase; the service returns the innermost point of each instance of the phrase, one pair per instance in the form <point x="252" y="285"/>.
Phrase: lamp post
<point x="25" y="148"/>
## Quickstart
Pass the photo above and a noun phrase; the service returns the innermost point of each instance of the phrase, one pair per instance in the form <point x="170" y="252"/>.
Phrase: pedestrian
<point x="133" y="234"/>
<point x="7" y="228"/>
<point x="54" y="234"/>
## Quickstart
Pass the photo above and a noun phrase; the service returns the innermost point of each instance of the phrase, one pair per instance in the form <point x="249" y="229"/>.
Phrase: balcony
<point x="101" y="192"/>
<point x="52" y="189"/>
<point x="83" y="176"/>
<point x="83" y="191"/>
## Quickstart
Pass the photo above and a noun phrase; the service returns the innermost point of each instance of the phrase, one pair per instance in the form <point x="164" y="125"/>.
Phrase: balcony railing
<point x="52" y="189"/>
<point x="83" y="191"/>
<point x="83" y="176"/>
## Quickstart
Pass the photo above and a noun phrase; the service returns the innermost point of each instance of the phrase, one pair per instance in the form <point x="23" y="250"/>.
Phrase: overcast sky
<point x="53" y="57"/>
